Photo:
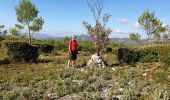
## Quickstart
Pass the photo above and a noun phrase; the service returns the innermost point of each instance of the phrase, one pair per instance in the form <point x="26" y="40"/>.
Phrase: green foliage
<point x="62" y="45"/>
<point x="46" y="48"/>
<point x="129" y="94"/>
<point x="127" y="56"/>
<point x="153" y="53"/>
<point x="37" y="24"/>
<point x="161" y="52"/>
<point x="19" y="26"/>
<point x="14" y="32"/>
<point x="26" y="12"/>
<point x="3" y="31"/>
<point x="100" y="32"/>
<point x="160" y="76"/>
<point x="109" y="49"/>
<point x="160" y="92"/>
<point x="151" y="24"/>
<point x="89" y="96"/>
<point x="86" y="46"/>
<point x="148" y="56"/>
<point x="27" y="15"/>
<point x="135" y="37"/>
<point x="21" y="52"/>
<point x="166" y="60"/>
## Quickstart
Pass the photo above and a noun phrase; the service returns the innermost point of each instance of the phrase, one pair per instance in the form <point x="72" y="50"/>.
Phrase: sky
<point x="64" y="17"/>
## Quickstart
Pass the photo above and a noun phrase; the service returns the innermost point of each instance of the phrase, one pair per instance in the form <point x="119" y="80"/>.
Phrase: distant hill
<point x="120" y="40"/>
<point x="40" y="36"/>
<point x="83" y="37"/>
<point x="47" y="37"/>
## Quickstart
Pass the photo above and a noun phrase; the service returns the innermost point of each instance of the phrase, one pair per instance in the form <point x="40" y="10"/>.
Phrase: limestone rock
<point x="96" y="61"/>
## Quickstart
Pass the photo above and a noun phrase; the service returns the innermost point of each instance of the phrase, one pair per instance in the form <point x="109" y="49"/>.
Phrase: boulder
<point x="96" y="61"/>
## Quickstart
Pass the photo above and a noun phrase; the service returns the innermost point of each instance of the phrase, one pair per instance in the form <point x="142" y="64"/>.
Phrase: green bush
<point x="146" y="56"/>
<point x="61" y="46"/>
<point x="127" y="56"/>
<point x="166" y="60"/>
<point x="1" y="38"/>
<point x="46" y="48"/>
<point x="160" y="92"/>
<point x="86" y="46"/>
<point x="21" y="52"/>
<point x="161" y="52"/>
<point x="160" y="76"/>
<point x="109" y="50"/>
<point x="153" y="53"/>
<point x="130" y="94"/>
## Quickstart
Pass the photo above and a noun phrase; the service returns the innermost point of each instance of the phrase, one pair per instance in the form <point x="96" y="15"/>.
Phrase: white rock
<point x="96" y="61"/>
<point x="120" y="89"/>
<point x="52" y="95"/>
<point x="113" y="69"/>
<point x="144" y="74"/>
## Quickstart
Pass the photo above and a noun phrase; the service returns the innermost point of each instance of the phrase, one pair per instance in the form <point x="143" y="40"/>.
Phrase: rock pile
<point x="96" y="61"/>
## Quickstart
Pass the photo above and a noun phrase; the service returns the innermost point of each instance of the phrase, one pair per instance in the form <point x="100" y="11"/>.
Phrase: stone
<point x="96" y="61"/>
<point x="52" y="96"/>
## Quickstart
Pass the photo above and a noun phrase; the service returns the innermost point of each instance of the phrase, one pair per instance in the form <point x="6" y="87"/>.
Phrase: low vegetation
<point x="38" y="70"/>
<point x="49" y="76"/>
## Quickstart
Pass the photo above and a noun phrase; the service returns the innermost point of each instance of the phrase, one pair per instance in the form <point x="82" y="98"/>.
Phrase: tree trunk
<point x="98" y="52"/>
<point x="29" y="33"/>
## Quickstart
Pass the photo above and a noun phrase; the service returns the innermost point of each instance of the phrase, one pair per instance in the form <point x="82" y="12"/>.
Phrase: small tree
<point x="3" y="31"/>
<point x="14" y="31"/>
<point x="135" y="37"/>
<point x="165" y="38"/>
<point x="99" y="32"/>
<point x="66" y="39"/>
<point x="151" y="24"/>
<point x="20" y="27"/>
<point x="27" y="15"/>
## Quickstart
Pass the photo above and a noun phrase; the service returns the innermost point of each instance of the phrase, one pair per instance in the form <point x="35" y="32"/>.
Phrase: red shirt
<point x="73" y="46"/>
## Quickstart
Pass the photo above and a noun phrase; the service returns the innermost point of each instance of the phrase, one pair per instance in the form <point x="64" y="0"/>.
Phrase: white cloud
<point x="164" y="25"/>
<point x="137" y="25"/>
<point x="120" y="31"/>
<point x="123" y="20"/>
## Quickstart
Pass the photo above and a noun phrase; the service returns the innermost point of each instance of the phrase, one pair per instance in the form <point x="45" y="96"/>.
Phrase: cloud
<point x="120" y="31"/>
<point x="123" y="21"/>
<point x="137" y="25"/>
<point x="164" y="25"/>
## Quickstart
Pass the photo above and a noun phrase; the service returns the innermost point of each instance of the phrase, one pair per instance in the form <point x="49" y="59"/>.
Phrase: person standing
<point x="72" y="51"/>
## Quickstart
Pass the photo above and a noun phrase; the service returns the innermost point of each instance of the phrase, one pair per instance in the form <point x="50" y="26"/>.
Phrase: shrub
<point x="129" y="94"/>
<point x="153" y="53"/>
<point x="160" y="93"/>
<point x="146" y="57"/>
<point x="46" y="48"/>
<point x="86" y="46"/>
<point x="109" y="49"/>
<point x="160" y="52"/>
<point x="21" y="52"/>
<point x="1" y="38"/>
<point x="160" y="76"/>
<point x="61" y="46"/>
<point x="166" y="60"/>
<point x="127" y="56"/>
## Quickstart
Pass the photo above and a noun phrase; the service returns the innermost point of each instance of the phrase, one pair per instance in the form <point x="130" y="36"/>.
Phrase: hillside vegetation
<point x="49" y="76"/>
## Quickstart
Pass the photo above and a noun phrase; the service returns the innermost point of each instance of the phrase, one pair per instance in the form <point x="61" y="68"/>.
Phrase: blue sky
<point x="63" y="17"/>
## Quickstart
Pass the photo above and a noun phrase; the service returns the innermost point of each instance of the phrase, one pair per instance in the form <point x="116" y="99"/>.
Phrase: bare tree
<point x="96" y="7"/>
<point x="100" y="32"/>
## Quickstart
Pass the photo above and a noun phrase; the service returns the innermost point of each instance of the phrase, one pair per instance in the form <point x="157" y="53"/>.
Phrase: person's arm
<point x="77" y="46"/>
<point x="69" y="47"/>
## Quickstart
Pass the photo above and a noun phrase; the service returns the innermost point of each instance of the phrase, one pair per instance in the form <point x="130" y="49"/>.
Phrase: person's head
<point x="73" y="37"/>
